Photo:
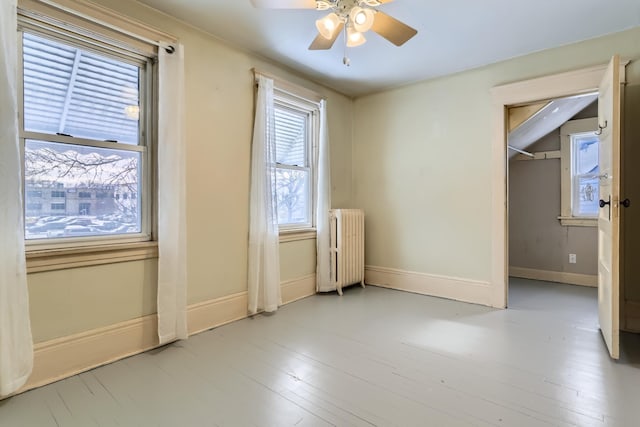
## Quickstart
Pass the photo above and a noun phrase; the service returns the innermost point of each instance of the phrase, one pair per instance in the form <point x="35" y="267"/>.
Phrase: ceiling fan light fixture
<point x="372" y="3"/>
<point x="355" y="38"/>
<point x="362" y="19"/>
<point x="328" y="25"/>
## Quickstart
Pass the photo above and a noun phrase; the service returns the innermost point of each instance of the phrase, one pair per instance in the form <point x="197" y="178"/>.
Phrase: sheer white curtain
<point x="172" y="221"/>
<point x="264" y="253"/>
<point x="16" y="344"/>
<point x="323" y="204"/>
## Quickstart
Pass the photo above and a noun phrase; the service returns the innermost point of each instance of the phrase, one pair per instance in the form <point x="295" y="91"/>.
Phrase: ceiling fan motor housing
<point x="343" y="7"/>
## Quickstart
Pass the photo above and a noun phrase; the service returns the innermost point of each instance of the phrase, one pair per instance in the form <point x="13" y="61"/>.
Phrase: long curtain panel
<point x="172" y="220"/>
<point x="263" y="280"/>
<point x="16" y="343"/>
<point x="323" y="205"/>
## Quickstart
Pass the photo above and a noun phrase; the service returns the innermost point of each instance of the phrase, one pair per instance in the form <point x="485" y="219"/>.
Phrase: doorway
<point x="613" y="282"/>
<point x="553" y="191"/>
<point x="522" y="93"/>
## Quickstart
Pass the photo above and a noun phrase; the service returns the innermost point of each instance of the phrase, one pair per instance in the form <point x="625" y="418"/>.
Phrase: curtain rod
<point x="159" y="43"/>
<point x="290" y="88"/>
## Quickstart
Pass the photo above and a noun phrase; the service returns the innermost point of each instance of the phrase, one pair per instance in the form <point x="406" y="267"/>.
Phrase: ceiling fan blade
<point x="284" y="4"/>
<point x="320" y="43"/>
<point x="391" y="29"/>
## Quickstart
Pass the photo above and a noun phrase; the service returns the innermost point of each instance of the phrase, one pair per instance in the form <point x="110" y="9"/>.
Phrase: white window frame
<point x="567" y="132"/>
<point x="287" y="99"/>
<point x="148" y="77"/>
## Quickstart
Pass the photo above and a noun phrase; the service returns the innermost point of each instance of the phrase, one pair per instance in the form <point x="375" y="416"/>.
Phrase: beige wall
<point x="219" y="102"/>
<point x="537" y="240"/>
<point x="67" y="302"/>
<point x="422" y="166"/>
<point x="297" y="259"/>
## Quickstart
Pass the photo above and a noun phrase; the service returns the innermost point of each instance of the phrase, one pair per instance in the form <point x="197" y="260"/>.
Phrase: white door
<point x="609" y="217"/>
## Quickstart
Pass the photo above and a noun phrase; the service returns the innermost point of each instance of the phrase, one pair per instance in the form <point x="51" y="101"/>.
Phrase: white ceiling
<point x="453" y="35"/>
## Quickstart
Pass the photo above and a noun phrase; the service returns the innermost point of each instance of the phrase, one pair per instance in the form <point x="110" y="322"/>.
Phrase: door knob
<point x="626" y="203"/>
<point x="603" y="203"/>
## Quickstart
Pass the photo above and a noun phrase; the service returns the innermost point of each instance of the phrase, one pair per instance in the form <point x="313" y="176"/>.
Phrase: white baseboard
<point x="294" y="290"/>
<point x="632" y="316"/>
<point x="555" y="276"/>
<point x="454" y="288"/>
<point x="67" y="356"/>
<point x="217" y="312"/>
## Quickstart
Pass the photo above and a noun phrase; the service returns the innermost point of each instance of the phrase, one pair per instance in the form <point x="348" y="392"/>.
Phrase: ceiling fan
<point x="357" y="16"/>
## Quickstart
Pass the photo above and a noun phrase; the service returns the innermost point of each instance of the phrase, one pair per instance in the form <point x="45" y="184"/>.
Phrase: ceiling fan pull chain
<point x="345" y="60"/>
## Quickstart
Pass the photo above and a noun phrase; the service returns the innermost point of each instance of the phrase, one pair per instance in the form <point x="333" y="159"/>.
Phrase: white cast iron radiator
<point x="347" y="247"/>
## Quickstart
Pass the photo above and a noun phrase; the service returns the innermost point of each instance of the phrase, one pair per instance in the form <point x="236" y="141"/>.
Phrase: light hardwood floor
<point x="373" y="357"/>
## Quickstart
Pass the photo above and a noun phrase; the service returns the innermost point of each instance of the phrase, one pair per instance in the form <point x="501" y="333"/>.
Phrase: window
<point x="296" y="131"/>
<point x="580" y="172"/>
<point x="84" y="209"/>
<point x="83" y="128"/>
<point x="585" y="170"/>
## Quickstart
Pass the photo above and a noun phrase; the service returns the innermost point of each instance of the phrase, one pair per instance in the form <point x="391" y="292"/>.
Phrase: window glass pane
<point x="76" y="92"/>
<point x="292" y="188"/>
<point x="291" y="136"/>
<point x="585" y="175"/>
<point x="586" y="196"/>
<point x="586" y="152"/>
<point x="77" y="191"/>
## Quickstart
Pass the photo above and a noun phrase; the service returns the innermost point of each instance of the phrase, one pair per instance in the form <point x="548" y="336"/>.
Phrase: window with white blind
<point x="584" y="149"/>
<point x="296" y="131"/>
<point x="85" y="113"/>
<point x="580" y="173"/>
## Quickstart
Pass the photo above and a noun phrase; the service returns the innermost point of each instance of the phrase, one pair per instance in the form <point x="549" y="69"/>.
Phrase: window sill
<point x="296" y="235"/>
<point x="578" y="222"/>
<point x="60" y="259"/>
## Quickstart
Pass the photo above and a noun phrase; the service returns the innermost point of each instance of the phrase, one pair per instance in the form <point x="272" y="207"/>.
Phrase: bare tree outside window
<point x="89" y="178"/>
<point x="291" y="190"/>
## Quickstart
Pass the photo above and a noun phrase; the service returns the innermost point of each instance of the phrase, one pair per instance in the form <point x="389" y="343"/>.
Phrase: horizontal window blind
<point x="291" y="137"/>
<point x="71" y="91"/>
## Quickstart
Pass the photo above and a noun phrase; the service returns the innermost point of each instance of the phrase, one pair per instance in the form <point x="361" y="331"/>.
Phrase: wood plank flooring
<point x="373" y="357"/>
